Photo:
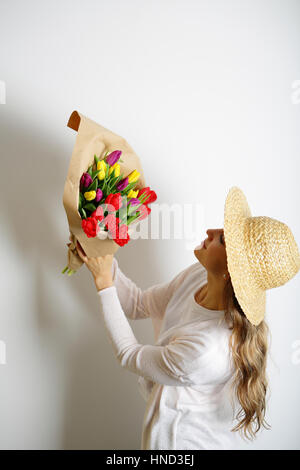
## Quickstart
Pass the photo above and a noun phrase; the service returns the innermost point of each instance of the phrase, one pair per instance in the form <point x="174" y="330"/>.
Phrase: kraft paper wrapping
<point x="91" y="139"/>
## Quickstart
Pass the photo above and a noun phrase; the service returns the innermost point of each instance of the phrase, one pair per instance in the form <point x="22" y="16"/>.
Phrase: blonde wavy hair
<point x="249" y="348"/>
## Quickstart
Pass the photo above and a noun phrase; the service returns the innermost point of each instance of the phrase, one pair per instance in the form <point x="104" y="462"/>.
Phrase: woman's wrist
<point x="103" y="282"/>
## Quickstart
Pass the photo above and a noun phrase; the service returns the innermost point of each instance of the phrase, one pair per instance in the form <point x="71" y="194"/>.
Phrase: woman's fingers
<point x="99" y="266"/>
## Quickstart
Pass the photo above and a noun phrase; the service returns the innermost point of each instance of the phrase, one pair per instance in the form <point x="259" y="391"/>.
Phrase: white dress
<point x="185" y="377"/>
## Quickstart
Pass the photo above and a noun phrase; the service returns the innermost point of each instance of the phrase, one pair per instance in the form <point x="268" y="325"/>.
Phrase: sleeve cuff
<point x="107" y="291"/>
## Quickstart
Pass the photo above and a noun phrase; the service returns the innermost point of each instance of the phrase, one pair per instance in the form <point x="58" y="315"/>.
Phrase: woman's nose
<point x="211" y="231"/>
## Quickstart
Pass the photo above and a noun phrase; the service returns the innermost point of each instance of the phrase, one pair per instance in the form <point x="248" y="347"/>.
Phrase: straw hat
<point x="261" y="254"/>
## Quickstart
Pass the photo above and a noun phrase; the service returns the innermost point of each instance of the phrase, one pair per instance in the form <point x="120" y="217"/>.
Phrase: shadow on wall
<point x="100" y="401"/>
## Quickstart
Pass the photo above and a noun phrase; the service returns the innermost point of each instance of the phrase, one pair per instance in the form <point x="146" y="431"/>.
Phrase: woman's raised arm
<point x="148" y="303"/>
<point x="173" y="364"/>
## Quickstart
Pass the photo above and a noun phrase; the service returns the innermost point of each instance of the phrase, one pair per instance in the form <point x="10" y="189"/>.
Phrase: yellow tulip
<point x="132" y="193"/>
<point x="101" y="175"/>
<point x="101" y="165"/>
<point x="90" y="195"/>
<point x="115" y="167"/>
<point x="133" y="176"/>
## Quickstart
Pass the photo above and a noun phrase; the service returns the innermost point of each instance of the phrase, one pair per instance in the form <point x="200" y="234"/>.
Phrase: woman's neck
<point x="210" y="296"/>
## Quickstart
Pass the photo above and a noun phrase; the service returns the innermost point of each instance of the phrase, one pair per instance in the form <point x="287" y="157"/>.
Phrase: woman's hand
<point x="100" y="268"/>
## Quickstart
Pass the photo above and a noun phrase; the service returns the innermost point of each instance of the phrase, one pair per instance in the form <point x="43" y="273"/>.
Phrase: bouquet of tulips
<point x="108" y="201"/>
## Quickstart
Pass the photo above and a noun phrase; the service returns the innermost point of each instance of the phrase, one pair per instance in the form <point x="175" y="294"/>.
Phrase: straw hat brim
<point x="250" y="296"/>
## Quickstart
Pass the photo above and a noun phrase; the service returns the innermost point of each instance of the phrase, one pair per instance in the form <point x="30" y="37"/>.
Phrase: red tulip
<point x="98" y="213"/>
<point x="122" y="237"/>
<point x="115" y="200"/>
<point x="151" y="195"/>
<point x="90" y="226"/>
<point x="145" y="211"/>
<point x="112" y="223"/>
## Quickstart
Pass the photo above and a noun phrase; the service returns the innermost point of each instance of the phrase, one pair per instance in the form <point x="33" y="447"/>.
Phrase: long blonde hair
<point x="249" y="347"/>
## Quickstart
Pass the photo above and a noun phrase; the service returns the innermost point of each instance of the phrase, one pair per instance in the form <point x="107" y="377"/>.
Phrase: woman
<point x="211" y="337"/>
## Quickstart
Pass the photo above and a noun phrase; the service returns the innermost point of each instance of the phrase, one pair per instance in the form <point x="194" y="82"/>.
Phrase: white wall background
<point x="204" y="84"/>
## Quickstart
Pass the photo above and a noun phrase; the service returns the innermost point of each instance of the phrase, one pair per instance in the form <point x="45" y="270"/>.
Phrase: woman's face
<point x="212" y="254"/>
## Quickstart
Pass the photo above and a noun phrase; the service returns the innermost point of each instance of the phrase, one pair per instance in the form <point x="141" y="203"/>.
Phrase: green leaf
<point x="81" y="201"/>
<point x="84" y="213"/>
<point x="144" y="198"/>
<point x="96" y="159"/>
<point x="112" y="183"/>
<point x="90" y="170"/>
<point x="118" y="179"/>
<point x="132" y="218"/>
<point x="105" y="178"/>
<point x="112" y="175"/>
<point x="129" y="187"/>
<point x="93" y="186"/>
<point x="90" y="207"/>
<point x="95" y="174"/>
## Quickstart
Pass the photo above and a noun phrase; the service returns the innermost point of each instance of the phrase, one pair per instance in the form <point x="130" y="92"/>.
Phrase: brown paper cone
<point x="74" y="260"/>
<point x="91" y="139"/>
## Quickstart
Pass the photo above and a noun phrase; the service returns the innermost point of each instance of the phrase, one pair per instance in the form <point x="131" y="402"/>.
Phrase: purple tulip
<point x="85" y="180"/>
<point x="134" y="201"/>
<point x="122" y="184"/>
<point x="99" y="195"/>
<point x="113" y="157"/>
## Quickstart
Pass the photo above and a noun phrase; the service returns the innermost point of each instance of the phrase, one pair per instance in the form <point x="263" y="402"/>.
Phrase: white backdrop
<point x="205" y="89"/>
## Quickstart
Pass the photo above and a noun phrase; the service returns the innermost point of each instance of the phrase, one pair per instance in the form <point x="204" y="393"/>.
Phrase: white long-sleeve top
<point x="185" y="376"/>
